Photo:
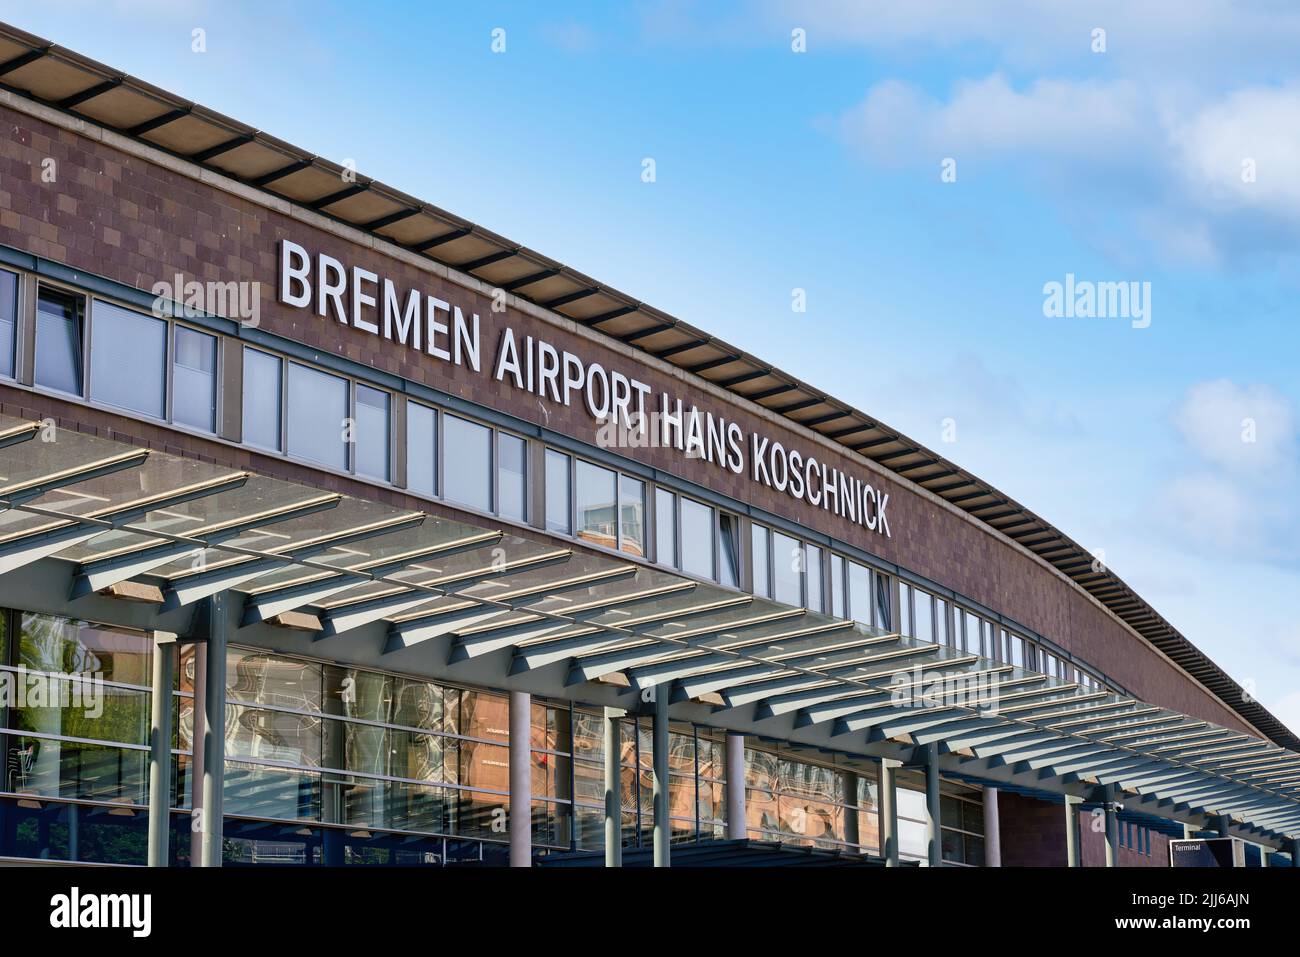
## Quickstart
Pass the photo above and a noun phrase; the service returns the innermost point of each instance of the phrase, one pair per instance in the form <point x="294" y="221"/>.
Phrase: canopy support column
<point x="1295" y="852"/>
<point x="1112" y="829"/>
<point x="214" y="729"/>
<point x="659" y="759"/>
<point x="889" y="811"/>
<point x="613" y="788"/>
<point x="160" y="747"/>
<point x="1072" y="831"/>
<point x="992" y="829"/>
<point x="521" y="780"/>
<point x="1221" y="825"/>
<point x="736" y="814"/>
<point x="933" y="822"/>
<point x="197" y="722"/>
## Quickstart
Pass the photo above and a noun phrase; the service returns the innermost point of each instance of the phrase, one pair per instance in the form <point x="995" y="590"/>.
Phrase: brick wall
<point x="1033" y="835"/>
<point x="1033" y="831"/>
<point x="120" y="216"/>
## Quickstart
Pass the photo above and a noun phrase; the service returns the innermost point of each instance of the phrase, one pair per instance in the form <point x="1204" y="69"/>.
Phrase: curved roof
<point x="63" y="79"/>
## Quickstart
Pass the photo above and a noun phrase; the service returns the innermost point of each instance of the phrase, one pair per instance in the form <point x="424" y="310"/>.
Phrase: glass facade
<point x="797" y="801"/>
<point x="122" y="340"/>
<point x="343" y="423"/>
<point x="262" y="399"/>
<point x="559" y="493"/>
<point x="60" y="318"/>
<point x="468" y="445"/>
<point x="194" y="395"/>
<point x="368" y="767"/>
<point x="371" y="435"/>
<point x="8" y="321"/>
<point x="421" y="449"/>
<point x="317" y="416"/>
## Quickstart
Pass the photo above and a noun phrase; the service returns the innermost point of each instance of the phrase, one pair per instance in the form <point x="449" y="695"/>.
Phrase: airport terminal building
<point x="336" y="529"/>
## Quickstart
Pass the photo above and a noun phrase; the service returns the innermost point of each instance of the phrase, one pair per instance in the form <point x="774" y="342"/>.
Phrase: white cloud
<point x="1234" y="499"/>
<point x="1258" y="126"/>
<point x="989" y="118"/>
<point x="1190" y="40"/>
<point x="1172" y="167"/>
<point x="1248" y="429"/>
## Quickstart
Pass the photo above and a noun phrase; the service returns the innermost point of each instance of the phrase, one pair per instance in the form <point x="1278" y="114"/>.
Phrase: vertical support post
<point x="992" y="829"/>
<point x="852" y="833"/>
<point x="214" y="729"/>
<point x="1072" y="858"/>
<point x="198" y="721"/>
<point x="74" y="832"/>
<point x="521" y="780"/>
<point x="933" y="823"/>
<point x="1295" y="852"/>
<point x="889" y="811"/>
<point x="737" y="814"/>
<point x="1221" y="825"/>
<point x="1112" y="829"/>
<point x="613" y="787"/>
<point x="659" y="762"/>
<point x="160" y="747"/>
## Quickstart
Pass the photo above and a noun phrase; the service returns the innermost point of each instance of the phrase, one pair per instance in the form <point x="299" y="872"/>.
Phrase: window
<point x="512" y="476"/>
<point x="697" y="538"/>
<point x="371" y="433"/>
<point x="8" y="321"/>
<point x="468" y="446"/>
<point x="59" y="321"/>
<point x="838" y="604"/>
<point x="261" y="399"/>
<point x="631" y="515"/>
<point x="318" y="408"/>
<point x="924" y="622"/>
<point x="760" y="544"/>
<point x="421" y="449"/>
<point x="559" y="493"/>
<point x="860" y="593"/>
<point x="665" y="527"/>
<point x="941" y="635"/>
<point x="597" y="497"/>
<point x="194" y="379"/>
<point x="787" y="569"/>
<point x="797" y="802"/>
<point x="728" y="550"/>
<point x="128" y="360"/>
<point x="815" y="601"/>
<point x="972" y="635"/>
<point x="883" y="618"/>
<point x="962" y="822"/>
<point x="1015" y="650"/>
<point x="905" y="610"/>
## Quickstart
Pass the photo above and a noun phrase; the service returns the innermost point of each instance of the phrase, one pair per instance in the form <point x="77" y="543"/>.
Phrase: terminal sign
<point x="628" y="413"/>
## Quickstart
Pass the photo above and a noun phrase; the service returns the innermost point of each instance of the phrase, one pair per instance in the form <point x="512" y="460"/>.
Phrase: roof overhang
<point x="82" y="516"/>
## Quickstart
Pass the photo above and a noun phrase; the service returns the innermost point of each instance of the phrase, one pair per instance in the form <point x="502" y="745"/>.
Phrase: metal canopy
<point x="335" y="566"/>
<point x="81" y="87"/>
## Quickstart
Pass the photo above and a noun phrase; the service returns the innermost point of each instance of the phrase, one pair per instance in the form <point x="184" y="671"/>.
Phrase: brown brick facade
<point x="137" y="222"/>
<point x="1033" y="835"/>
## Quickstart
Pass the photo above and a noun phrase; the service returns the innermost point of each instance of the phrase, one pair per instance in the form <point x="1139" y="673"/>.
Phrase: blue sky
<point x="820" y="170"/>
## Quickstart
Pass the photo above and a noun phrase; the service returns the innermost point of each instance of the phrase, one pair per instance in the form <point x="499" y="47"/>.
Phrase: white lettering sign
<point x="629" y="415"/>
